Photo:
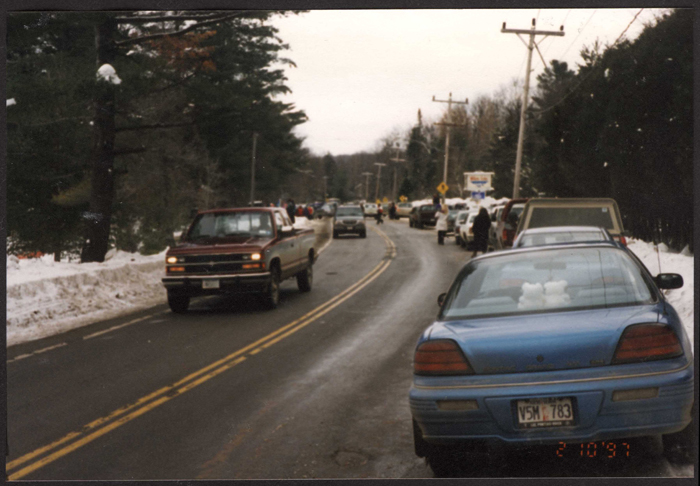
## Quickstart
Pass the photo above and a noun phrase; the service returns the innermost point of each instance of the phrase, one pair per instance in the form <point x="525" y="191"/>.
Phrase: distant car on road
<point x="554" y="235"/>
<point x="460" y="221"/>
<point x="238" y="250"/>
<point x="466" y="233"/>
<point x="403" y="210"/>
<point x="370" y="209"/>
<point x="568" y="345"/>
<point x="423" y="215"/>
<point x="349" y="219"/>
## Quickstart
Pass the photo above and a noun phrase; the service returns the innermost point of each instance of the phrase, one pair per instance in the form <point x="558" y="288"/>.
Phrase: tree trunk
<point x="99" y="217"/>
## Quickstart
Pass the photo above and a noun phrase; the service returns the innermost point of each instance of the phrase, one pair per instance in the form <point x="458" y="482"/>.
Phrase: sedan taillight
<point x="646" y="342"/>
<point x="440" y="357"/>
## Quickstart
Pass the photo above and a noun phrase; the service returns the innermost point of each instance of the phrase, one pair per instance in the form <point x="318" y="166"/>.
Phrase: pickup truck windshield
<point x="221" y="225"/>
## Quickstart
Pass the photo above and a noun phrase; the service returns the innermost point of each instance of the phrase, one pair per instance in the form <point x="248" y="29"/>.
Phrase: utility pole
<point x="379" y="176"/>
<point x="530" y="46"/>
<point x="252" y="169"/>
<point x="447" y="126"/>
<point x="325" y="188"/>
<point x="397" y="160"/>
<point x="366" y="174"/>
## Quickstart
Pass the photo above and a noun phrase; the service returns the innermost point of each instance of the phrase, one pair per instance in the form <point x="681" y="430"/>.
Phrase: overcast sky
<point x="363" y="73"/>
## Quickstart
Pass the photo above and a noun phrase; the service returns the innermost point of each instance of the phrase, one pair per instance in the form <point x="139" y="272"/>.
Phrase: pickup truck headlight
<point x="255" y="256"/>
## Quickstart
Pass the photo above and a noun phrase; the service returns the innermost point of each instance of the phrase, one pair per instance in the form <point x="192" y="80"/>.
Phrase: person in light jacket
<point x="441" y="225"/>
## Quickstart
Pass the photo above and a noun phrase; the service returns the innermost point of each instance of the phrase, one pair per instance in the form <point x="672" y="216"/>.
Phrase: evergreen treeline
<point x="125" y="163"/>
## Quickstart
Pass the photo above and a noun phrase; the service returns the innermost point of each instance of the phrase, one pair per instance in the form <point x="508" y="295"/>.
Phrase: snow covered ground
<point x="46" y="297"/>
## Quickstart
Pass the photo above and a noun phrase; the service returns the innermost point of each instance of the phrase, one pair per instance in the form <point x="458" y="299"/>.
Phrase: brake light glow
<point x="505" y="235"/>
<point x="440" y="357"/>
<point x="646" y="342"/>
<point x="621" y="239"/>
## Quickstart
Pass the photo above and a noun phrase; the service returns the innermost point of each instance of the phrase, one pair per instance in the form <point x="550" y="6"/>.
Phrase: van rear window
<point x="600" y="217"/>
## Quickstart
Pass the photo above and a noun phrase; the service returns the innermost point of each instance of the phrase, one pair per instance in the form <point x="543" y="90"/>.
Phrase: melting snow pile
<point x="46" y="297"/>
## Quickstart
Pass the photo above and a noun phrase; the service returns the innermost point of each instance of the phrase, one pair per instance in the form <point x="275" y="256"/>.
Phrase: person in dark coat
<point x="291" y="209"/>
<point x="480" y="228"/>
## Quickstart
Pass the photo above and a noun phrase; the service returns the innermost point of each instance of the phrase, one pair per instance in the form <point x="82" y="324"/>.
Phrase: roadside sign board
<point x="379" y="202"/>
<point x="478" y="181"/>
<point x="442" y="188"/>
<point x="386" y="199"/>
<point x="478" y="195"/>
<point x="403" y="199"/>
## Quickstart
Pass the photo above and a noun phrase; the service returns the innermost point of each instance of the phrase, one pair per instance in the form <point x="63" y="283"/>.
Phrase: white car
<point x="403" y="210"/>
<point x="466" y="235"/>
<point x="460" y="221"/>
<point x="370" y="209"/>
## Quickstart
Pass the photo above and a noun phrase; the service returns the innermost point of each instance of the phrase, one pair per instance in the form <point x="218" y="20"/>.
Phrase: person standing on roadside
<point x="441" y="226"/>
<point x="480" y="228"/>
<point x="291" y="208"/>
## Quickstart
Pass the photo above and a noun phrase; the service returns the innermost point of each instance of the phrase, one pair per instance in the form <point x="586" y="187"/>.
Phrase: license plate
<point x="545" y="412"/>
<point x="210" y="284"/>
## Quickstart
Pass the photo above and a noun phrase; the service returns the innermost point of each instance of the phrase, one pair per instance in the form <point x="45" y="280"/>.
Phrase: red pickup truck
<point x="238" y="250"/>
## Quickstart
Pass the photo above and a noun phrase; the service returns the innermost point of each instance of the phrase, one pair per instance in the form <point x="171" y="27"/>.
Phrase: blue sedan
<point x="566" y="344"/>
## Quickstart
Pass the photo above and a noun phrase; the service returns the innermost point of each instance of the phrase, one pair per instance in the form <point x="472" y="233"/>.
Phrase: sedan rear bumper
<point x="596" y="415"/>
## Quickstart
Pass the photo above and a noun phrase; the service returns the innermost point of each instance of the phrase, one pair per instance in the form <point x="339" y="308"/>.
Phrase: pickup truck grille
<point x="349" y="222"/>
<point x="214" y="258"/>
<point x="217" y="269"/>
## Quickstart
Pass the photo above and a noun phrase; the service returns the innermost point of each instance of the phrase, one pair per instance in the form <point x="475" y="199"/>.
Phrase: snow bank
<point x="683" y="264"/>
<point x="46" y="297"/>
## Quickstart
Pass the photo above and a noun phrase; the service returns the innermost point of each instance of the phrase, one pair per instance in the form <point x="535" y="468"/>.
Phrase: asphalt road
<point x="314" y="389"/>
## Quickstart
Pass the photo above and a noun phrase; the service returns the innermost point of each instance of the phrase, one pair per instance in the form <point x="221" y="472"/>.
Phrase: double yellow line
<point x="127" y="413"/>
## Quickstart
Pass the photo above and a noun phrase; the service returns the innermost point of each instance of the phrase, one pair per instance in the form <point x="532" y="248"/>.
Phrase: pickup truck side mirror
<point x="669" y="281"/>
<point x="441" y="298"/>
<point x="286" y="231"/>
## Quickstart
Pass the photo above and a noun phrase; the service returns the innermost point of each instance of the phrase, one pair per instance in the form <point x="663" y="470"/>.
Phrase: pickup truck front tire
<point x="305" y="278"/>
<point x="178" y="303"/>
<point x="271" y="296"/>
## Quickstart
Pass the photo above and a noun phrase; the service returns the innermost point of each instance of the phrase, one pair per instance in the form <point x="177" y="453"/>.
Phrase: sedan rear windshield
<point x="249" y="223"/>
<point x="349" y="212"/>
<point x="428" y="208"/>
<point x="544" y="281"/>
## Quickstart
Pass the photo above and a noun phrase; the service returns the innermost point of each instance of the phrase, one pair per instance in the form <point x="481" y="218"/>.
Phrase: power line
<point x="560" y="23"/>
<point x="544" y="110"/>
<point x="579" y="33"/>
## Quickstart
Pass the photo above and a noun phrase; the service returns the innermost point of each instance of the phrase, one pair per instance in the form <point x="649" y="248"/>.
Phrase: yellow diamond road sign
<point x="442" y="188"/>
<point x="386" y="199"/>
<point x="403" y="199"/>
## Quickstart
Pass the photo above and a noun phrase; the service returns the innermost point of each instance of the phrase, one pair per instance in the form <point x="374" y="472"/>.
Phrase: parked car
<point x="600" y="212"/>
<point x="460" y="221"/>
<point x="370" y="209"/>
<point x="554" y="235"/>
<point x="423" y="215"/>
<point x="451" y="216"/>
<point x="466" y="232"/>
<point x="403" y="210"/>
<point x="349" y="219"/>
<point x="502" y="234"/>
<point x="238" y="250"/>
<point x="565" y="344"/>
